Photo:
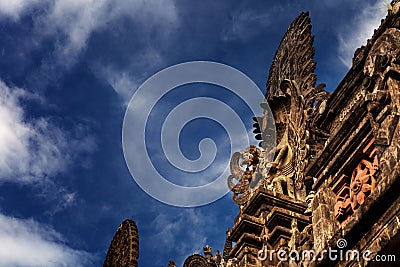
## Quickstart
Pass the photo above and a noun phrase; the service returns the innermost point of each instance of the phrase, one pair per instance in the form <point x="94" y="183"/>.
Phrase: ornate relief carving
<point x="281" y="172"/>
<point x="244" y="178"/>
<point x="296" y="106"/>
<point x="196" y="260"/>
<point x="301" y="242"/>
<point x="227" y="246"/>
<point x="362" y="182"/>
<point x="347" y="110"/>
<point x="293" y="59"/>
<point x="382" y="70"/>
<point x="124" y="248"/>
<point x="352" y="191"/>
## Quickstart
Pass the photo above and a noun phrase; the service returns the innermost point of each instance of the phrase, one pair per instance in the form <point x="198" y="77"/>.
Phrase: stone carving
<point x="309" y="199"/>
<point x="195" y="260"/>
<point x="324" y="224"/>
<point x="296" y="105"/>
<point x="394" y="7"/>
<point x="244" y="178"/>
<point x="362" y="182"/>
<point x="231" y="263"/>
<point x="171" y="264"/>
<point x="382" y="82"/>
<point x="208" y="253"/>
<point x="282" y="169"/>
<point x="218" y="258"/>
<point x="342" y="207"/>
<point x="352" y="191"/>
<point x="302" y="242"/>
<point x="124" y="248"/>
<point x="293" y="59"/>
<point x="227" y="246"/>
<point x="294" y="240"/>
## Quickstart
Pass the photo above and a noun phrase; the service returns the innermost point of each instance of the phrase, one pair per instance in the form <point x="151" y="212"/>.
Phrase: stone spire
<point x="124" y="248"/>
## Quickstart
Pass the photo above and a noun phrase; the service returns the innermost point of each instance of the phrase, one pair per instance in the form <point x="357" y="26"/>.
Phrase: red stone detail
<point x="351" y="193"/>
<point x="362" y="183"/>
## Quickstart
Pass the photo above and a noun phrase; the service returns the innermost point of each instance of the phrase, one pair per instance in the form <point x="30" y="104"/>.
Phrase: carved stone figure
<point x="208" y="253"/>
<point x="295" y="102"/>
<point x="251" y="158"/>
<point x="282" y="168"/>
<point x="294" y="240"/>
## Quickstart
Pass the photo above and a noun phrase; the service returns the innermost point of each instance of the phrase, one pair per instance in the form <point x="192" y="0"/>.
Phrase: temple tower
<point x="124" y="248"/>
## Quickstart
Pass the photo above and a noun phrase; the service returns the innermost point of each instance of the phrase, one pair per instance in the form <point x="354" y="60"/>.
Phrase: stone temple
<point x="333" y="181"/>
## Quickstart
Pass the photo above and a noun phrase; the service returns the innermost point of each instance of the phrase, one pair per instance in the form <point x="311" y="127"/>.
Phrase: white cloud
<point x="29" y="243"/>
<point x="32" y="150"/>
<point x="77" y="19"/>
<point x="72" y="22"/>
<point x="360" y="29"/>
<point x="122" y="83"/>
<point x="14" y="8"/>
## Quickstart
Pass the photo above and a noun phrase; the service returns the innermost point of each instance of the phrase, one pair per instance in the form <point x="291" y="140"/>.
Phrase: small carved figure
<point x="281" y="171"/>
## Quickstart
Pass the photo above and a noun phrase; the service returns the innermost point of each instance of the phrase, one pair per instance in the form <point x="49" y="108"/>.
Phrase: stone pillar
<point x="323" y="218"/>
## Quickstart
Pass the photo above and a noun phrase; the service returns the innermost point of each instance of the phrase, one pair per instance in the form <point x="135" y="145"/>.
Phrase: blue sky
<point x="68" y="68"/>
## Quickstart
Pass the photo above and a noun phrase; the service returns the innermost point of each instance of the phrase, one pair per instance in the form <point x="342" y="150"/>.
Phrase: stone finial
<point x="171" y="264"/>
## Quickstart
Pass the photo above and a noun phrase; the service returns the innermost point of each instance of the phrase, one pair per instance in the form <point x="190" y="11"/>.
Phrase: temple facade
<point x="328" y="192"/>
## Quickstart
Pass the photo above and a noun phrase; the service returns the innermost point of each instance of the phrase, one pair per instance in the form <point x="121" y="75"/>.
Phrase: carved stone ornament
<point x="362" y="182"/>
<point x="382" y="82"/>
<point x="195" y="260"/>
<point x="351" y="193"/>
<point x="171" y="264"/>
<point x="245" y="178"/>
<point x="227" y="246"/>
<point x="296" y="105"/>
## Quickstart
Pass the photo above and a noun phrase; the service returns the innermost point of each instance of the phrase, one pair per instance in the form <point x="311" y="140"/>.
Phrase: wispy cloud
<point x="77" y="20"/>
<point x="14" y="8"/>
<point x="25" y="242"/>
<point x="32" y="149"/>
<point x="126" y="81"/>
<point x="359" y="30"/>
<point x="72" y="22"/>
<point x="246" y="23"/>
<point x="179" y="231"/>
<point x="68" y="25"/>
